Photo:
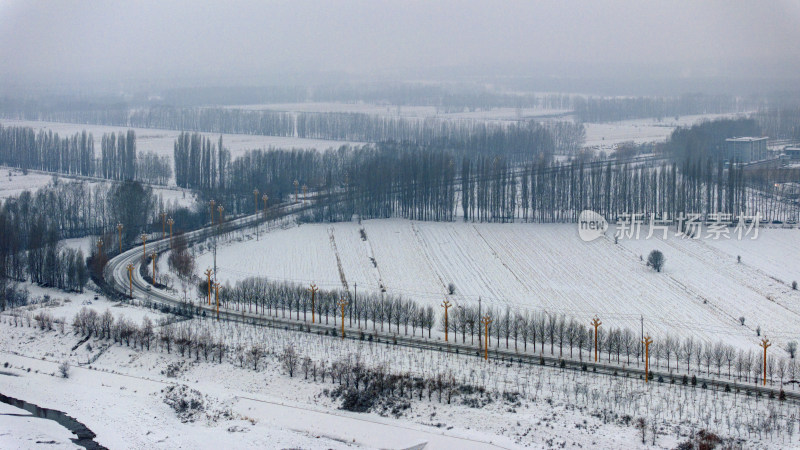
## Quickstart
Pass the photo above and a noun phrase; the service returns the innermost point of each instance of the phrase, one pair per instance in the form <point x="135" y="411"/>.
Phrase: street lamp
<point x="100" y="248"/>
<point x="170" y="222"/>
<point x="647" y="341"/>
<point x="446" y="304"/>
<point x="296" y="183"/>
<point x="305" y="188"/>
<point x="342" y="304"/>
<point x="220" y="209"/>
<point x="265" y="197"/>
<point x="255" y="199"/>
<point x="486" y="320"/>
<point x="765" y="344"/>
<point x="208" y="273"/>
<point x="211" y="204"/>
<point x="313" y="289"/>
<point x="596" y="323"/>
<point x="163" y="228"/>
<point x="144" y="244"/>
<point x="216" y="289"/>
<point x="119" y="233"/>
<point x="130" y="278"/>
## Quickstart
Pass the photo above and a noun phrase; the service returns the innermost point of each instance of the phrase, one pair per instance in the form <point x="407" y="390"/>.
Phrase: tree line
<point x="23" y="148"/>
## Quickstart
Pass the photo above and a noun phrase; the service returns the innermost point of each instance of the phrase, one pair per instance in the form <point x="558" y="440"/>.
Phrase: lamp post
<point x="305" y="188"/>
<point x="100" y="248"/>
<point x="220" y="209"/>
<point x="216" y="289"/>
<point x="486" y="320"/>
<point x="296" y="183"/>
<point x="313" y="289"/>
<point x="144" y="244"/>
<point x="153" y="257"/>
<point x="255" y="200"/>
<point x="647" y="341"/>
<point x="163" y="223"/>
<point x="265" y="197"/>
<point x="119" y="235"/>
<point x="208" y="273"/>
<point x="765" y="344"/>
<point x="342" y="304"/>
<point x="130" y="278"/>
<point x="446" y="305"/>
<point x="170" y="222"/>
<point x="596" y="323"/>
<point x="211" y="204"/>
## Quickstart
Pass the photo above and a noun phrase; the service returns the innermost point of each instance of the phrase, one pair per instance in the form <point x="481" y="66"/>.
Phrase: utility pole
<point x="144" y="245"/>
<point x="220" y="209"/>
<point x="211" y="204"/>
<point x="355" y="305"/>
<point x="342" y="304"/>
<point x="264" y="198"/>
<point x="446" y="304"/>
<point x="216" y="289"/>
<point x="479" y="318"/>
<point x="647" y="341"/>
<point x="153" y="257"/>
<point x="313" y="289"/>
<point x="765" y="344"/>
<point x="119" y="237"/>
<point x="350" y="313"/>
<point x="130" y="278"/>
<point x="208" y="277"/>
<point x="170" y="222"/>
<point x="641" y="345"/>
<point x="486" y="320"/>
<point x="596" y="322"/>
<point x="163" y="225"/>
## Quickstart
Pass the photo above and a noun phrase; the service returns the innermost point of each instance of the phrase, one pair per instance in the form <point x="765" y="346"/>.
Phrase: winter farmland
<point x="702" y="292"/>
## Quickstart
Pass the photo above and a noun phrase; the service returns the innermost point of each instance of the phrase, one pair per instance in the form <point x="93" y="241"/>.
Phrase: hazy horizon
<point x="255" y="43"/>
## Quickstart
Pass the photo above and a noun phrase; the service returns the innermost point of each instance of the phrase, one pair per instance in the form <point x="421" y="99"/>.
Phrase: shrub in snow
<point x="656" y="260"/>
<point x="63" y="369"/>
<point x="451" y="288"/>
<point x="794" y="285"/>
<point x="791" y="348"/>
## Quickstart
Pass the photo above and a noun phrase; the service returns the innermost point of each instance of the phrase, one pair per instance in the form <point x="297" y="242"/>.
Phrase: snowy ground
<point x="702" y="291"/>
<point x="13" y="182"/>
<point x="605" y="136"/>
<point x="494" y="114"/>
<point x="119" y="397"/>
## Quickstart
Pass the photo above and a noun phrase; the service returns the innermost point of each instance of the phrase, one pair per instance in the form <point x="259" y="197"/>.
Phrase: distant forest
<point x="23" y="148"/>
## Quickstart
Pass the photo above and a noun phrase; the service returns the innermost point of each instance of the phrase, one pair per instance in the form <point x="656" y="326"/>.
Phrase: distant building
<point x="746" y="149"/>
<point x="792" y="152"/>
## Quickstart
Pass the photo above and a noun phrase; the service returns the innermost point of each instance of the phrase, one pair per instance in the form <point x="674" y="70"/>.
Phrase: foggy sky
<point x="166" y="40"/>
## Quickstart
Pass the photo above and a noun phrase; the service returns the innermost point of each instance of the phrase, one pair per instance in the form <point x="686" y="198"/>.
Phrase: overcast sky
<point x="196" y="39"/>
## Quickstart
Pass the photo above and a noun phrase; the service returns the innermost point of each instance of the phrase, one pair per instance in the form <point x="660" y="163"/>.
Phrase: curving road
<point x="116" y="275"/>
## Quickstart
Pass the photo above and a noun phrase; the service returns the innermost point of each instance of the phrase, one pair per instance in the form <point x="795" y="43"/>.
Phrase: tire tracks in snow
<point x="342" y="277"/>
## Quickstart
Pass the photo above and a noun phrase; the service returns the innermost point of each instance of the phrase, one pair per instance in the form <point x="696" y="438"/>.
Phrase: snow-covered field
<point x="162" y="142"/>
<point x="605" y="136"/>
<point x="13" y="182"/>
<point x="702" y="291"/>
<point x="494" y="114"/>
<point x="120" y="397"/>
